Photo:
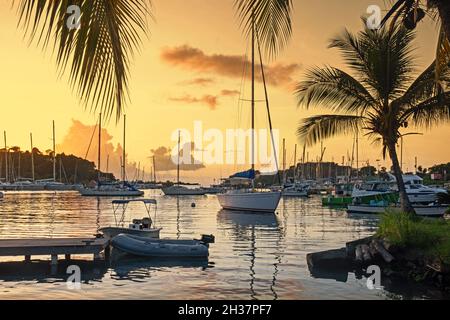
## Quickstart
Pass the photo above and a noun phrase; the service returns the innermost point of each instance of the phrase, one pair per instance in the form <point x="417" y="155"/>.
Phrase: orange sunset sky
<point x="169" y="89"/>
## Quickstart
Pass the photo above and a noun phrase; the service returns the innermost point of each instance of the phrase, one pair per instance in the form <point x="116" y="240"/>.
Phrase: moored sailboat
<point x="178" y="189"/>
<point x="124" y="189"/>
<point x="252" y="200"/>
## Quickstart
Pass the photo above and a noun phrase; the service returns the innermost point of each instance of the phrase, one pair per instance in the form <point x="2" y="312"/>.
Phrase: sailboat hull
<point x="250" y="202"/>
<point x="110" y="193"/>
<point x="182" y="191"/>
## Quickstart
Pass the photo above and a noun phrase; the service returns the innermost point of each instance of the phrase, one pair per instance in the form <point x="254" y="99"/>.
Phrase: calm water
<point x="254" y="257"/>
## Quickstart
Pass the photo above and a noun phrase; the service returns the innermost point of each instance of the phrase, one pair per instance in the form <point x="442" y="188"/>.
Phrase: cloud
<point x="163" y="159"/>
<point x="212" y="101"/>
<point x="194" y="59"/>
<point x="229" y="93"/>
<point x="209" y="100"/>
<point x="203" y="82"/>
<point x="76" y="142"/>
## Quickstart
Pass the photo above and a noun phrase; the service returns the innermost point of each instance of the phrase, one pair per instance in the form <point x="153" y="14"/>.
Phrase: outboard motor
<point x="207" y="239"/>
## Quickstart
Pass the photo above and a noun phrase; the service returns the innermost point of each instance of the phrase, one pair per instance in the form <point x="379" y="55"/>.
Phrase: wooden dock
<point x="53" y="247"/>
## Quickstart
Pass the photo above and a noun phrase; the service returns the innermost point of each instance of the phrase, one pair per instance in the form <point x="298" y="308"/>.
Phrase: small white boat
<point x="425" y="211"/>
<point x="178" y="190"/>
<point x="250" y="200"/>
<point x="138" y="227"/>
<point x="296" y="190"/>
<point x="163" y="248"/>
<point x="111" y="191"/>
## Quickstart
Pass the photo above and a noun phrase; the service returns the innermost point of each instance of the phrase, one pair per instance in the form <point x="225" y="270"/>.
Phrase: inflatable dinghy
<point x="167" y="248"/>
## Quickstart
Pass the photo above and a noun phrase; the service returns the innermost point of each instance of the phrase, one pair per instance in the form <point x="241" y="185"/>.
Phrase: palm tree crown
<point x="381" y="98"/>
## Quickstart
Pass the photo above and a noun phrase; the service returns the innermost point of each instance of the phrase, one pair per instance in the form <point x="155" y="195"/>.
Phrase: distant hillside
<point x="69" y="168"/>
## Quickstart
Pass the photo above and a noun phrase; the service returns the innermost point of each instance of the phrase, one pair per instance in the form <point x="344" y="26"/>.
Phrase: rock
<point x="330" y="258"/>
<point x="359" y="254"/>
<point x="366" y="253"/>
<point x="351" y="246"/>
<point x="383" y="252"/>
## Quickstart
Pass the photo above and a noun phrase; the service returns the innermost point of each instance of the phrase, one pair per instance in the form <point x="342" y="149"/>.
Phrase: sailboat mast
<point x="124" y="141"/>
<point x="32" y="157"/>
<point x="253" y="89"/>
<point x="295" y="163"/>
<point x="54" y="153"/>
<point x="357" y="155"/>
<point x="284" y="161"/>
<point x="99" y="147"/>
<point x="154" y="169"/>
<point x="6" y="158"/>
<point x="178" y="158"/>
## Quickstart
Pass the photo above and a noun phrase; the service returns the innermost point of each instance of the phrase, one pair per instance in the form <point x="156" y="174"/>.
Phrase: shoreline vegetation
<point x="405" y="247"/>
<point x="70" y="168"/>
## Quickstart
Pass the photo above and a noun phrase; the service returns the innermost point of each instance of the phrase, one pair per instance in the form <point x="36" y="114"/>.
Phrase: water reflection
<point x="256" y="256"/>
<point x="248" y="227"/>
<point x="42" y="272"/>
<point x="137" y="269"/>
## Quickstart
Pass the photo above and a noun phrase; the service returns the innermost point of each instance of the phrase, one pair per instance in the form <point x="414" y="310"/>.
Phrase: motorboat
<point x="179" y="190"/>
<point x="372" y="188"/>
<point x="296" y="190"/>
<point x="163" y="248"/>
<point x="111" y="190"/>
<point x="431" y="210"/>
<point x="144" y="227"/>
<point x="418" y="192"/>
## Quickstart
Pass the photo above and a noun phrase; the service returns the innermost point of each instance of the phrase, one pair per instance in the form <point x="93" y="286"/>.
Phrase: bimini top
<point x="145" y="201"/>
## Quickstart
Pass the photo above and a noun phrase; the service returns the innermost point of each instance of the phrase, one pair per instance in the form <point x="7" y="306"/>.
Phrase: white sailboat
<point x="112" y="189"/>
<point x="251" y="200"/>
<point x="178" y="189"/>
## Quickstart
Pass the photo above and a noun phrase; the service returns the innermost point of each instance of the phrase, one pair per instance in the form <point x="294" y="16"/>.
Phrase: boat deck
<point x="52" y="247"/>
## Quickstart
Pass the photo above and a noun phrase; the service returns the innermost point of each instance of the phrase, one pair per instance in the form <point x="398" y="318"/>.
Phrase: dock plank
<point x="57" y="246"/>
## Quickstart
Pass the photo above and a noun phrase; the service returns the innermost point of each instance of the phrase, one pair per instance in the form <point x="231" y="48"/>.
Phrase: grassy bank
<point x="432" y="236"/>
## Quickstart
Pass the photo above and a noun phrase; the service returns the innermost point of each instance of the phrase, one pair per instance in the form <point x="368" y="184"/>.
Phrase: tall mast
<point x="124" y="142"/>
<point x="284" y="160"/>
<point x="6" y="158"/>
<point x="154" y="169"/>
<point x="357" y="155"/>
<point x="32" y="157"/>
<point x="54" y="153"/>
<point x="253" y="89"/>
<point x="178" y="158"/>
<point x="295" y="163"/>
<point x="99" y="147"/>
<point x="304" y="161"/>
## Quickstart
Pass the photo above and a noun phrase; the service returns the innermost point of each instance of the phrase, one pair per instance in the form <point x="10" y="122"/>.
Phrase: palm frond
<point x="317" y="128"/>
<point x="442" y="54"/>
<point x="334" y="89"/>
<point x="431" y="112"/>
<point x="98" y="54"/>
<point x="273" y="22"/>
<point x="381" y="59"/>
<point x="425" y="86"/>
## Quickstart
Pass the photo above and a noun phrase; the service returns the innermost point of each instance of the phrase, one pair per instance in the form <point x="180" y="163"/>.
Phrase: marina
<point x="263" y="255"/>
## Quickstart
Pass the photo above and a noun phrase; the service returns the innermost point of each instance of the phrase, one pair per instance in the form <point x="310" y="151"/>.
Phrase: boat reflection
<point x="258" y="229"/>
<point x="138" y="269"/>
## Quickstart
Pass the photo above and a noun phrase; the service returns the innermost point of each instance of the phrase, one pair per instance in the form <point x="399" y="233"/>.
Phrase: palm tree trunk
<point x="404" y="200"/>
<point x="443" y="7"/>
